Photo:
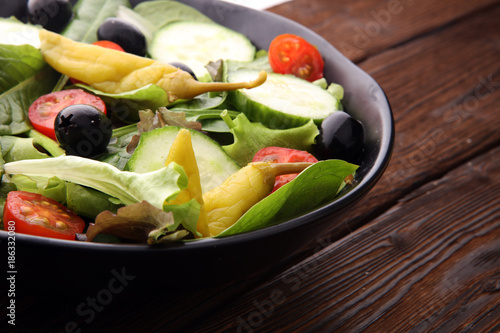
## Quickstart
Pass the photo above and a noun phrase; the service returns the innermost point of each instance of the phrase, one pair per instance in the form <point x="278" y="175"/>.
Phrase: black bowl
<point x="47" y="262"/>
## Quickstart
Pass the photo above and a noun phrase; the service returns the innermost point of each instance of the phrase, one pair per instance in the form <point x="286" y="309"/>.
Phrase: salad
<point x="155" y="124"/>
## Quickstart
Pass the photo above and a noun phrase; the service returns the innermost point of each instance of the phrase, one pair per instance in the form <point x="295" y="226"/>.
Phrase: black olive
<point x="341" y="137"/>
<point x="184" y="67"/>
<point x="53" y="15"/>
<point x="83" y="130"/>
<point x="121" y="32"/>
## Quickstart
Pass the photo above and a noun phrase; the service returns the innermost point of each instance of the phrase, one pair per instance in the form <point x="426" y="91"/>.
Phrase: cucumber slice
<point x="283" y="101"/>
<point x="214" y="163"/>
<point x="197" y="43"/>
<point x="15" y="32"/>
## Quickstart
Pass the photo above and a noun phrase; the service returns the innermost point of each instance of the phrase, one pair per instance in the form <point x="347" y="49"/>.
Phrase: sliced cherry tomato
<point x="44" y="110"/>
<point x="291" y="54"/>
<point x="35" y="214"/>
<point x="283" y="155"/>
<point x="109" y="45"/>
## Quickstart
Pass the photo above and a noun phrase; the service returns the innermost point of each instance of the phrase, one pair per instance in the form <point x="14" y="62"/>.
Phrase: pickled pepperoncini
<point x="226" y="203"/>
<point x="115" y="72"/>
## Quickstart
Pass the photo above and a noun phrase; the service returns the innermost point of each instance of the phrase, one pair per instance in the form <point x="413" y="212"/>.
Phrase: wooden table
<point x="421" y="252"/>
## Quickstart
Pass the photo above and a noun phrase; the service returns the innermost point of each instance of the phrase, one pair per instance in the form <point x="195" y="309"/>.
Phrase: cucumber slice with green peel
<point x="214" y="163"/>
<point x="283" y="101"/>
<point x="197" y="43"/>
<point x="15" y="32"/>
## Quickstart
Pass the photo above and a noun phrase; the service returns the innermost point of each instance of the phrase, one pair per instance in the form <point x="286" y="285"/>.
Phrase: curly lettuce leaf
<point x="314" y="187"/>
<point x="250" y="137"/>
<point x="129" y="187"/>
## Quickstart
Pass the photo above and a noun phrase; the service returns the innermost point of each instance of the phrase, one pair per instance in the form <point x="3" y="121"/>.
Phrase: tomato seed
<point x="39" y="220"/>
<point x="61" y="225"/>
<point x="26" y="210"/>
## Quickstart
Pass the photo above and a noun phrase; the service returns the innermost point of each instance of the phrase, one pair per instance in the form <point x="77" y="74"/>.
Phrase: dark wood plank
<point x="445" y="91"/>
<point x="365" y="27"/>
<point x="431" y="263"/>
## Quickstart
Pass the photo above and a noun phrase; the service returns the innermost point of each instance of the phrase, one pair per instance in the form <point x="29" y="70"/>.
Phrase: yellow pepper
<point x="226" y="203"/>
<point x="182" y="153"/>
<point x="116" y="72"/>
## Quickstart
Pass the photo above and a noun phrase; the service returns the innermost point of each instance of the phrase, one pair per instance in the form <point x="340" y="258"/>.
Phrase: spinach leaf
<point x="201" y="102"/>
<point x="314" y="187"/>
<point x="126" y="106"/>
<point x="24" y="76"/>
<point x="117" y="154"/>
<point x="88" y="16"/>
<point x="88" y="202"/>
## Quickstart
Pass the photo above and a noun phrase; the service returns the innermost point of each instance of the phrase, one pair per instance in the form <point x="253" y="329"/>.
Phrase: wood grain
<point x="430" y="263"/>
<point x="445" y="100"/>
<point x="363" y="28"/>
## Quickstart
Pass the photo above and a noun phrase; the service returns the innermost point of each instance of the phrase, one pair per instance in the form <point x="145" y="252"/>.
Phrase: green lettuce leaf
<point x="86" y="201"/>
<point x="127" y="105"/>
<point x="185" y="214"/>
<point x="314" y="187"/>
<point x="250" y="137"/>
<point x="52" y="187"/>
<point x="88" y="16"/>
<point x="129" y="187"/>
<point x="52" y="147"/>
<point x="117" y="154"/>
<point x="24" y="76"/>
<point x="202" y="102"/>
<point x="82" y="200"/>
<point x="15" y="149"/>
<point x="161" y="13"/>
<point x="15" y="32"/>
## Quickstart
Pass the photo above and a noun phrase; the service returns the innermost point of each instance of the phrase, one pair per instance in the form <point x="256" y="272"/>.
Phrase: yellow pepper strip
<point x="116" y="72"/>
<point x="182" y="153"/>
<point x="226" y="203"/>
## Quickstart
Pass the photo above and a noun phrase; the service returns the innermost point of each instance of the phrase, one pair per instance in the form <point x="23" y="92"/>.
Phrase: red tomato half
<point x="44" y="110"/>
<point x="34" y="214"/>
<point x="109" y="45"/>
<point x="291" y="54"/>
<point x="283" y="155"/>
